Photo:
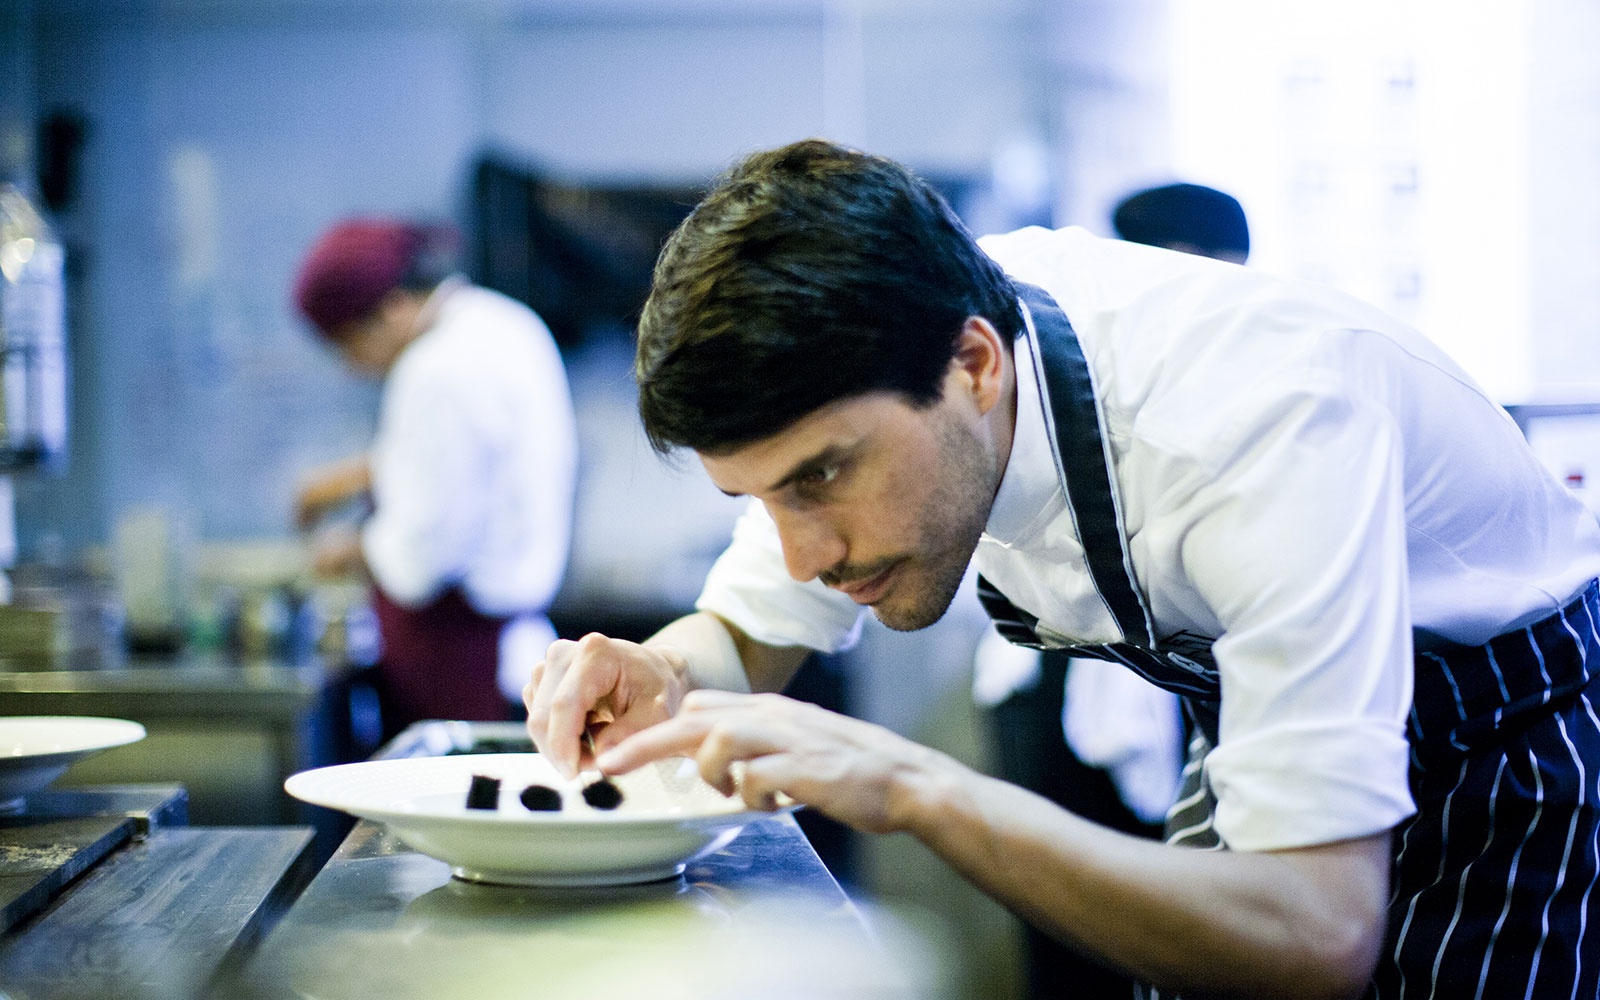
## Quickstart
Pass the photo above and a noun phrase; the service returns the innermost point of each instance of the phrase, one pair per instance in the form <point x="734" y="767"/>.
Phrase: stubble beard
<point x="953" y="517"/>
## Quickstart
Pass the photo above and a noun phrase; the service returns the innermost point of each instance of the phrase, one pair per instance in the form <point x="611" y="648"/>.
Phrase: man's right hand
<point x="329" y="486"/>
<point x="603" y="689"/>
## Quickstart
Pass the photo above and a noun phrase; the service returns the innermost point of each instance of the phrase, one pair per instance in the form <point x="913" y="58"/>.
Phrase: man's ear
<point x="397" y="302"/>
<point x="400" y="313"/>
<point x="979" y="361"/>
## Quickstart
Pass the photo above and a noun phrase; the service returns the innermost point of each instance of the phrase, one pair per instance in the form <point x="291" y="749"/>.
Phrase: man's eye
<point x="812" y="483"/>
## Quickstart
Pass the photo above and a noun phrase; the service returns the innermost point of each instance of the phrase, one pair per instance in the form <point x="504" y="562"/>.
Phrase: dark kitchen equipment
<point x="33" y="344"/>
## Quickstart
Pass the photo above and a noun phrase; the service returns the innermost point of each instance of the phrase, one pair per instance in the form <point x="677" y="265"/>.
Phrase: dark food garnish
<point x="493" y="745"/>
<point x="603" y="795"/>
<point x="541" y="798"/>
<point x="484" y="793"/>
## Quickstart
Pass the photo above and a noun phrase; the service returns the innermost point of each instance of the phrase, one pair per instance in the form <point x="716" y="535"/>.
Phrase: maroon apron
<point x="439" y="661"/>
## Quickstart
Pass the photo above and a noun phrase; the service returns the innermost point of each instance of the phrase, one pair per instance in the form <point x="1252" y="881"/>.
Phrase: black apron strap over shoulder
<point x="1084" y="463"/>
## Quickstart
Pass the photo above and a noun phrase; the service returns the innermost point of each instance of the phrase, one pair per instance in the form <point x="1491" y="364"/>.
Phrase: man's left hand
<point x="765" y="747"/>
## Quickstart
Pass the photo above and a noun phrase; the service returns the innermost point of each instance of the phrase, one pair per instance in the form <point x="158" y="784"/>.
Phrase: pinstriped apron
<point x="1493" y="876"/>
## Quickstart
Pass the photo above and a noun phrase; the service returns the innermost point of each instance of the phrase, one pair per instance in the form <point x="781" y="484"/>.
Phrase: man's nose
<point x="811" y="545"/>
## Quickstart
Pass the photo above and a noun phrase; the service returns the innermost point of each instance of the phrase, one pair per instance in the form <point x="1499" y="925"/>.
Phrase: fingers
<point x="705" y="698"/>
<point x="736" y="739"/>
<point x="311" y="504"/>
<point x="306" y="509"/>
<point x="721" y="730"/>
<point x="765" y="782"/>
<point x="554" y="725"/>
<point x="590" y="677"/>
<point x="677" y="737"/>
<point x="772" y="751"/>
<point x="765" y="748"/>
<point x="536" y="715"/>
<point x="586" y="688"/>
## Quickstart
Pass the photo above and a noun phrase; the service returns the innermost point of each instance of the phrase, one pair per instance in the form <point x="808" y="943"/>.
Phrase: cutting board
<point x="151" y="807"/>
<point x="39" y="858"/>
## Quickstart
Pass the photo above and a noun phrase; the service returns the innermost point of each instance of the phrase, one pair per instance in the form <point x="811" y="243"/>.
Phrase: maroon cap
<point x="351" y="268"/>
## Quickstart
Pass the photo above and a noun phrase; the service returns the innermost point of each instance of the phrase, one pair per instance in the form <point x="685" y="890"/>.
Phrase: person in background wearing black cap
<point x="1190" y="218"/>
<point x="471" y="473"/>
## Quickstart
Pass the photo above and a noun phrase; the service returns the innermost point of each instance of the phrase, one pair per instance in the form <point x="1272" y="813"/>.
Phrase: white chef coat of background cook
<point x="473" y="470"/>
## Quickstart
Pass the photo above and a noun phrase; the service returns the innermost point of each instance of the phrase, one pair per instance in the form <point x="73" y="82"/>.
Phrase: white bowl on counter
<point x="36" y="749"/>
<point x="667" y="817"/>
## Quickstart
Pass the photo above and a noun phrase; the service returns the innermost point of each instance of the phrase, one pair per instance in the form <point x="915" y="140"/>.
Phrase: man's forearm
<point x="718" y="655"/>
<point x="1303" y="923"/>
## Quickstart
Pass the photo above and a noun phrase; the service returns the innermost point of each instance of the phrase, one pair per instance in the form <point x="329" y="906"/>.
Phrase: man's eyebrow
<point x="833" y="454"/>
<point x="830" y="455"/>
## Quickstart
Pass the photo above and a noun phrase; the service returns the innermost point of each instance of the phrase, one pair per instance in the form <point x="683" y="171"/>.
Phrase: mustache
<point x="842" y="575"/>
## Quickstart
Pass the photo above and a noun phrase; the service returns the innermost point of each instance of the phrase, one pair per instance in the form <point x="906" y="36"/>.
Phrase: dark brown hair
<point x="810" y="273"/>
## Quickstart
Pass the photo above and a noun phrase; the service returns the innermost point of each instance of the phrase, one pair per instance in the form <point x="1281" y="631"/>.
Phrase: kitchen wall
<point x="1561" y="255"/>
<point x="16" y="84"/>
<point x="222" y="137"/>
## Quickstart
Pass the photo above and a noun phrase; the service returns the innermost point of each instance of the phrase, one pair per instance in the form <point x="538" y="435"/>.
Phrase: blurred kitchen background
<point x="1438" y="158"/>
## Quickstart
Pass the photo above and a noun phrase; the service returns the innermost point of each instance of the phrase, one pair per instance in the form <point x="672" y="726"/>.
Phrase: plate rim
<point x="115" y="732"/>
<point x="529" y="818"/>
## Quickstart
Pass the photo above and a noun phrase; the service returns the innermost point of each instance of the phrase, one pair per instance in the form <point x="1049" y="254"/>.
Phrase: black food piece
<point x="541" y="798"/>
<point x="489" y="744"/>
<point x="484" y="793"/>
<point x="603" y="795"/>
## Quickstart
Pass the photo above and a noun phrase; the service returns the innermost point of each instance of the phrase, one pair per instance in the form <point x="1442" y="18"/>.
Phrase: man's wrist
<point x="926" y="793"/>
<point x="704" y="654"/>
<point x="678" y="661"/>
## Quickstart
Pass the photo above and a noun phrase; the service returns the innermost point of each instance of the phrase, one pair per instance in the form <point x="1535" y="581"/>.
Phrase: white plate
<point x="36" y="749"/>
<point x="668" y="817"/>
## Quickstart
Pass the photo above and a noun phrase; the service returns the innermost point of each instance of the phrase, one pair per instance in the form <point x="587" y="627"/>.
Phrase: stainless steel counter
<point x="760" y="918"/>
<point x="178" y="687"/>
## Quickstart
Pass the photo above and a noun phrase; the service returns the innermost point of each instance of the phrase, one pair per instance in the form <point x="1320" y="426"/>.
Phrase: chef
<point x="470" y="475"/>
<point x="1278" y="502"/>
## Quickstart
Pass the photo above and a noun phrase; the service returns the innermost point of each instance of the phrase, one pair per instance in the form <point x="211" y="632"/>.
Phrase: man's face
<point x="881" y="500"/>
<point x="372" y="344"/>
<point x="368" y="345"/>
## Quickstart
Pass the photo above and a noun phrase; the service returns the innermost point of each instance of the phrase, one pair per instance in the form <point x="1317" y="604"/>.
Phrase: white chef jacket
<point x="1300" y="477"/>
<point x="473" y="469"/>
